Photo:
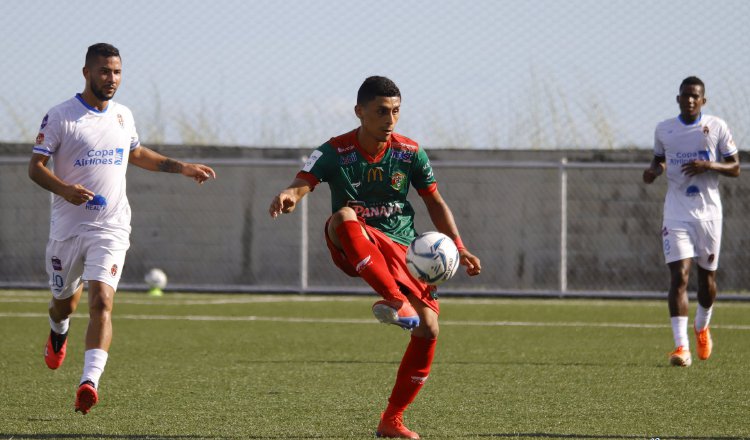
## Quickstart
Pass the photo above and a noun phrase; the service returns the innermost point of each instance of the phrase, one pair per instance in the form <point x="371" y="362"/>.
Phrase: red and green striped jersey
<point x="375" y="187"/>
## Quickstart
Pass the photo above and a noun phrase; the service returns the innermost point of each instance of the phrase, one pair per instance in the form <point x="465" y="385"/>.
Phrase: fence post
<point x="304" y="242"/>
<point x="563" y="224"/>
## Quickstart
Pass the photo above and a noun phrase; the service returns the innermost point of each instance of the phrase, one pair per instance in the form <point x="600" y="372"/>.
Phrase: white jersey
<point x="692" y="198"/>
<point x="91" y="148"/>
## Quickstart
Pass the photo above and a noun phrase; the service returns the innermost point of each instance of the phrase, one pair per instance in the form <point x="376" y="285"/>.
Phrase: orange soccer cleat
<point x="401" y="314"/>
<point x="54" y="358"/>
<point x="86" y="397"/>
<point x="705" y="343"/>
<point x="680" y="357"/>
<point x="393" y="427"/>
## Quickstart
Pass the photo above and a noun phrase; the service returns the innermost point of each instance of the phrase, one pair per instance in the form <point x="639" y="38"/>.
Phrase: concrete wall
<point x="220" y="236"/>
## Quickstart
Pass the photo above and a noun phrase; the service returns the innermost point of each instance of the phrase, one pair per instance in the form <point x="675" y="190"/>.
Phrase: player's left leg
<point x="709" y="245"/>
<point x="706" y="298"/>
<point x="412" y="373"/>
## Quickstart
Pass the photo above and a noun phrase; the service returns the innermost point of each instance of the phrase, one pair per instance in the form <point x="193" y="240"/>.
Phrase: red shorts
<point x="395" y="256"/>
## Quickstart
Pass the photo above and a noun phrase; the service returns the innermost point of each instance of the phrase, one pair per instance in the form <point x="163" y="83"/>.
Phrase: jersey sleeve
<point x="658" y="145"/>
<point x="422" y="177"/>
<point x="726" y="143"/>
<point x="50" y="135"/>
<point x="135" y="142"/>
<point x="319" y="165"/>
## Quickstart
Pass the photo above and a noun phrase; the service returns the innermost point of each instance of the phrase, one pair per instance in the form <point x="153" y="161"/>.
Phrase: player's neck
<point x="93" y="101"/>
<point x="370" y="145"/>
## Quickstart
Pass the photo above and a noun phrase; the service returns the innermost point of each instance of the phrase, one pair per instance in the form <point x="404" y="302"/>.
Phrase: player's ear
<point x="677" y="98"/>
<point x="358" y="111"/>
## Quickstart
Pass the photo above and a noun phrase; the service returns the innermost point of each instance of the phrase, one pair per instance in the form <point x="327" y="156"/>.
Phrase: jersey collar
<point x="679" y="118"/>
<point x="367" y="156"/>
<point x="82" y="101"/>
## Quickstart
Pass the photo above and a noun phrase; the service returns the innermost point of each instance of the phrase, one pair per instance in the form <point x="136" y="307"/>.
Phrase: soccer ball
<point x="432" y="258"/>
<point x="156" y="279"/>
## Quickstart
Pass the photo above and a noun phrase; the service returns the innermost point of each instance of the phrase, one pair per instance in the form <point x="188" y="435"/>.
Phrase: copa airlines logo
<point x="364" y="211"/>
<point x="683" y="158"/>
<point x="112" y="156"/>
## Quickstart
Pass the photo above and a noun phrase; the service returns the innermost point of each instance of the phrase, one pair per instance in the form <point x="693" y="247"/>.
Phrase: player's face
<point x="379" y="117"/>
<point x="691" y="100"/>
<point x="103" y="77"/>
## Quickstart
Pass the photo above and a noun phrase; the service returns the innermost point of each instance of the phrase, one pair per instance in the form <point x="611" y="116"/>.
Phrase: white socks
<point x="93" y="365"/>
<point x="702" y="317"/>
<point x="59" y="327"/>
<point x="679" y="331"/>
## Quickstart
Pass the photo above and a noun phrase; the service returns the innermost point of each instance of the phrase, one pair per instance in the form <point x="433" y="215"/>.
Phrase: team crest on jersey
<point x="44" y="122"/>
<point x="398" y="180"/>
<point x="113" y="270"/>
<point x="40" y="139"/>
<point x="120" y="120"/>
<point x="706" y="130"/>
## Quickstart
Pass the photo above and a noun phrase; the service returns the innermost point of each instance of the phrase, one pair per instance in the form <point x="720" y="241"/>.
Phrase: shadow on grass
<point x="604" y="436"/>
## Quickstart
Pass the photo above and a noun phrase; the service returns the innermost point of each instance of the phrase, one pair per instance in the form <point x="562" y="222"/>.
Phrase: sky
<point x="531" y="74"/>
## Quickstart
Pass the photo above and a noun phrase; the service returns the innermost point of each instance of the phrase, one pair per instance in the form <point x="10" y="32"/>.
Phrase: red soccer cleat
<point x="86" y="397"/>
<point x="393" y="427"/>
<point x="705" y="343"/>
<point x="53" y="358"/>
<point x="401" y="314"/>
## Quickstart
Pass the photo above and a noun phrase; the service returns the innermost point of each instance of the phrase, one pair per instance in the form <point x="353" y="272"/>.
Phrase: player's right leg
<point x="678" y="312"/>
<point x="64" y="267"/>
<point x="105" y="258"/>
<point x="703" y="312"/>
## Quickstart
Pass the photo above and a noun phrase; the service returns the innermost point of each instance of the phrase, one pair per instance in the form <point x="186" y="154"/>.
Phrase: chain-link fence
<point x="541" y="222"/>
<point x="473" y="74"/>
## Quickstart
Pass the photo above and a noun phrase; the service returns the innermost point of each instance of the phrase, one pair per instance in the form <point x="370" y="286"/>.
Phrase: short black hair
<point x="692" y="81"/>
<point x="101" y="50"/>
<point x="376" y="86"/>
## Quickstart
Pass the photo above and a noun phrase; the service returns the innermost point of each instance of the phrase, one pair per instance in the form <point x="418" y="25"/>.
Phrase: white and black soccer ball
<point x="156" y="279"/>
<point x="432" y="258"/>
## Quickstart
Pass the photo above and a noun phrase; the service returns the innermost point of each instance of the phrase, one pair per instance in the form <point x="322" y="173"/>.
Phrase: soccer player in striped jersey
<point x="92" y="139"/>
<point x="694" y="149"/>
<point x="369" y="171"/>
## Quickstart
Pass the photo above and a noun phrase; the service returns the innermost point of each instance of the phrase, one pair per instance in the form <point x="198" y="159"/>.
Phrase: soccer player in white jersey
<point x="693" y="148"/>
<point x="92" y="139"/>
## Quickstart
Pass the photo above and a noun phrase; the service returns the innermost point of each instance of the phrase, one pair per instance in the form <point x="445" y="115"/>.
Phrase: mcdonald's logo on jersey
<point x="375" y="174"/>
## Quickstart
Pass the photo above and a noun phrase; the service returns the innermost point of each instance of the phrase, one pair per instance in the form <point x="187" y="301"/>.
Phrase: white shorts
<point x="93" y="255"/>
<point x="700" y="241"/>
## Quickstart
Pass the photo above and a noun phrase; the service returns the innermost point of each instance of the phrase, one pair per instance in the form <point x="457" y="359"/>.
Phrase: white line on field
<point x="373" y="321"/>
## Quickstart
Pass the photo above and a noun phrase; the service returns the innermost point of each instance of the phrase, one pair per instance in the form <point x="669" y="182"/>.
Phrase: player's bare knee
<point x="342" y="215"/>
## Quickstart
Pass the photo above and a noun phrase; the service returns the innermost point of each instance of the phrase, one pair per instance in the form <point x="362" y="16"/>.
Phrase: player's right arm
<point x="654" y="170"/>
<point x="287" y="200"/>
<point x="42" y="176"/>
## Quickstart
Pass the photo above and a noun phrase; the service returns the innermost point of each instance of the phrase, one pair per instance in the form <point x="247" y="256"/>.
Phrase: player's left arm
<point x="442" y="218"/>
<point x="729" y="167"/>
<point x="149" y="159"/>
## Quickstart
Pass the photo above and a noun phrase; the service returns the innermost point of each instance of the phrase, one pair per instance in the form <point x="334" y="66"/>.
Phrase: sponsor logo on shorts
<point x="98" y="203"/>
<point x="56" y="263"/>
<point x="692" y="191"/>
<point x="113" y="270"/>
<point x="711" y="258"/>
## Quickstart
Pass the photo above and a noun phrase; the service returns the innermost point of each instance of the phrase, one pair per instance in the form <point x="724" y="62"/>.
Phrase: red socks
<point x="368" y="260"/>
<point x="412" y="374"/>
